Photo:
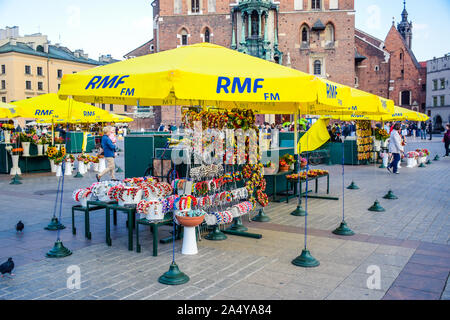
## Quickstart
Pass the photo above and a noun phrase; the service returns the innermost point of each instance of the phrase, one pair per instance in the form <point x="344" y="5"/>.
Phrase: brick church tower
<point x="389" y="68"/>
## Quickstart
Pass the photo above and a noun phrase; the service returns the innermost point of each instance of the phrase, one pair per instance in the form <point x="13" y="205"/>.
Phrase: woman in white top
<point x="395" y="147"/>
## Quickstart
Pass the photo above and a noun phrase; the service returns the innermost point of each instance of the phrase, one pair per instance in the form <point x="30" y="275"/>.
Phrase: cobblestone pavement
<point x="409" y="242"/>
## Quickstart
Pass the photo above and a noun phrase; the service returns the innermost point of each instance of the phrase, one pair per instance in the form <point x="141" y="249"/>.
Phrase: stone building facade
<point x="30" y="66"/>
<point x="438" y="91"/>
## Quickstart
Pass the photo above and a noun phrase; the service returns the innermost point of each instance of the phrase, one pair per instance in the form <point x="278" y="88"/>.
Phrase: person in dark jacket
<point x="446" y="140"/>
<point x="423" y="130"/>
<point x="109" y="150"/>
<point x="430" y="128"/>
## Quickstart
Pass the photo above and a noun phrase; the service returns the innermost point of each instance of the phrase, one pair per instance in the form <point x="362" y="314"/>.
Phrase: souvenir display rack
<point x="364" y="141"/>
<point x="238" y="187"/>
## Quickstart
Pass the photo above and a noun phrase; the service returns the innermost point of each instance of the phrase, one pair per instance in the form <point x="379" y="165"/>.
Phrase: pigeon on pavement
<point x="20" y="226"/>
<point x="7" y="267"/>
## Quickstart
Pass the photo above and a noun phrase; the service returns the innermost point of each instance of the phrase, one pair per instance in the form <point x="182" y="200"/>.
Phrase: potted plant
<point x="26" y="140"/>
<point x="58" y="163"/>
<point x="411" y="159"/>
<point x="7" y="131"/>
<point x="283" y="166"/>
<point x="303" y="162"/>
<point x="95" y="163"/>
<point x="101" y="163"/>
<point x="288" y="160"/>
<point x="381" y="135"/>
<point x="40" y="146"/>
<point x="52" y="153"/>
<point x="15" y="153"/>
<point x="82" y="163"/>
<point x="422" y="157"/>
<point x="70" y="159"/>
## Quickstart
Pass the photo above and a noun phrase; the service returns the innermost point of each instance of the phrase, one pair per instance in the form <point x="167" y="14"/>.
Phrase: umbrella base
<point x="216" y="235"/>
<point x="306" y="260"/>
<point x="55" y="225"/>
<point x="14" y="180"/>
<point x="353" y="186"/>
<point x="376" y="207"/>
<point x="58" y="251"/>
<point x="390" y="195"/>
<point x="343" y="230"/>
<point x="261" y="217"/>
<point x="299" y="212"/>
<point x="237" y="225"/>
<point x="174" y="276"/>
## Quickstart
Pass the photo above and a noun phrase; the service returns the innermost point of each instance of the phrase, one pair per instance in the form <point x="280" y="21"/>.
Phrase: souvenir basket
<point x="150" y="210"/>
<point x="82" y="196"/>
<point x="156" y="190"/>
<point x="130" y="195"/>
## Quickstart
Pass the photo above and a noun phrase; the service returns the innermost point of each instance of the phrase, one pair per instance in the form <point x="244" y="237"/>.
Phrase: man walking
<point x="109" y="150"/>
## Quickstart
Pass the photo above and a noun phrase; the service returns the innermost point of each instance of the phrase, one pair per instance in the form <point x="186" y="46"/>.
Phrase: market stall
<point x="190" y="76"/>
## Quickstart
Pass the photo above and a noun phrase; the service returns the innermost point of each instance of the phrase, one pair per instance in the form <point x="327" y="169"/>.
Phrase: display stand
<point x="189" y="241"/>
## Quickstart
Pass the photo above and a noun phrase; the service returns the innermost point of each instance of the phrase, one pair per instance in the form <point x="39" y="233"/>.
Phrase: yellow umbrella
<point x="399" y="114"/>
<point x="120" y="118"/>
<point x="5" y="110"/>
<point x="49" y="108"/>
<point x="201" y="74"/>
<point x="405" y="114"/>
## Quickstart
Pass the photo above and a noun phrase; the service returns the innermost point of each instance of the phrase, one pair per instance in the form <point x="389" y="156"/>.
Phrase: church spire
<point x="404" y="12"/>
<point x="405" y="27"/>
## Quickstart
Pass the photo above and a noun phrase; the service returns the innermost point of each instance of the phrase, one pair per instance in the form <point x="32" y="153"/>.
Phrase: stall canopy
<point x="5" y="110"/>
<point x="48" y="108"/>
<point x="120" y="118"/>
<point x="399" y="114"/>
<point x="204" y="75"/>
<point x="201" y="74"/>
<point x="316" y="136"/>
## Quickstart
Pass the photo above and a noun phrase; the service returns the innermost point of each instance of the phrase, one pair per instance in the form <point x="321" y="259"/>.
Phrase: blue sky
<point x="117" y="27"/>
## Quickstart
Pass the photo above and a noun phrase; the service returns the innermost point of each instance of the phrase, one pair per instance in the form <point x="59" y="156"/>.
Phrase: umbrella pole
<point x="53" y="134"/>
<point x="305" y="259"/>
<point x="299" y="211"/>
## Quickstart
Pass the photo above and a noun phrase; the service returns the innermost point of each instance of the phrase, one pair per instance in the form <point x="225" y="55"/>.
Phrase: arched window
<point x="305" y="34"/>
<point x="207" y="35"/>
<point x="40" y="48"/>
<point x="184" y="37"/>
<point x="329" y="34"/>
<point x="317" y="67"/>
<point x="195" y="6"/>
